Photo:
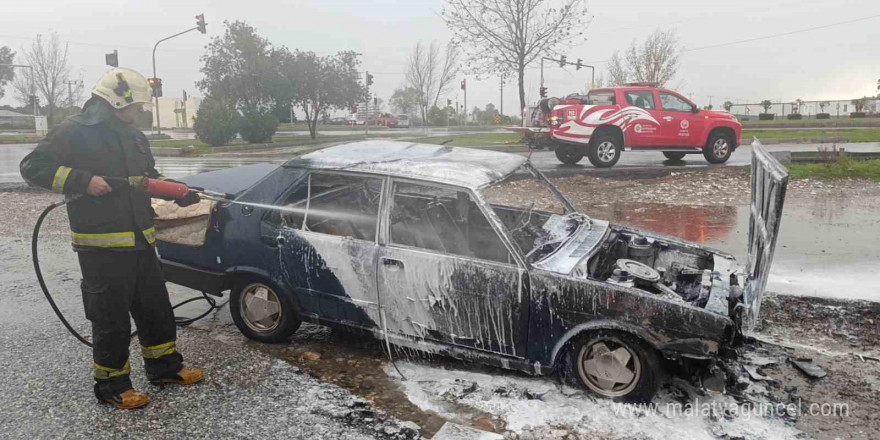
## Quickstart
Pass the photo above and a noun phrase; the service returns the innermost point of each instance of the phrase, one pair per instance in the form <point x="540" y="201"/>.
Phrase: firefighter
<point x="112" y="231"/>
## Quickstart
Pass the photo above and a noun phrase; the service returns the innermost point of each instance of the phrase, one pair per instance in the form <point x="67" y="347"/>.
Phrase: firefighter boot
<point x="186" y="376"/>
<point x="129" y="399"/>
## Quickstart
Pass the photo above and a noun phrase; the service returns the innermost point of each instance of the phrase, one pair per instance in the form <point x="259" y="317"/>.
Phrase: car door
<point x="328" y="248"/>
<point x="446" y="276"/>
<point x="640" y="130"/>
<point x="680" y="126"/>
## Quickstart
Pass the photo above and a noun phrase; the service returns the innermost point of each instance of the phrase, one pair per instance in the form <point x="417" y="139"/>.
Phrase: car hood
<point x="231" y="180"/>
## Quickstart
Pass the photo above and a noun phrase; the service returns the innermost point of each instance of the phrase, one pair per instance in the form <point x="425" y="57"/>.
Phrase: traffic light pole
<point x="158" y="121"/>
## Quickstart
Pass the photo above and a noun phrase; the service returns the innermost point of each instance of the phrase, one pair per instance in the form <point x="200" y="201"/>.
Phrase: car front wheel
<point x="262" y="312"/>
<point x="568" y="155"/>
<point x="615" y="364"/>
<point x="604" y="150"/>
<point x="718" y="148"/>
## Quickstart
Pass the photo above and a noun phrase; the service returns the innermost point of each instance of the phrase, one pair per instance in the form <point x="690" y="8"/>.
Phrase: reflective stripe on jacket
<point x="97" y="143"/>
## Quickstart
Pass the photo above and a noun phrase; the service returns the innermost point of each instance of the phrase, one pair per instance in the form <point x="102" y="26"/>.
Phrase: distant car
<point x="402" y="121"/>
<point x="338" y="121"/>
<point x="635" y="117"/>
<point x="472" y="254"/>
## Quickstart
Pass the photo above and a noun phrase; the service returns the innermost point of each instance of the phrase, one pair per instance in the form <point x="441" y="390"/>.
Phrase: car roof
<point x="467" y="167"/>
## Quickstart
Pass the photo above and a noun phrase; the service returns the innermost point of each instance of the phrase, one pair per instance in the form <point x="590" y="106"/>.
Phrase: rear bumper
<point x="197" y="279"/>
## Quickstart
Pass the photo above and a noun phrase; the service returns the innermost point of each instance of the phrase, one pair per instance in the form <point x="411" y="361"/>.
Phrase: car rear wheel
<point x="262" y="312"/>
<point x="616" y="365"/>
<point x="718" y="148"/>
<point x="604" y="150"/>
<point x="568" y="155"/>
<point x="673" y="155"/>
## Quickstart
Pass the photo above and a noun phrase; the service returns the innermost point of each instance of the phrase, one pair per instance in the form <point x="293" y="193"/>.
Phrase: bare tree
<point x="617" y="72"/>
<point x="420" y="74"/>
<point x="656" y="60"/>
<point x="449" y="70"/>
<point x="503" y="36"/>
<point x="50" y="75"/>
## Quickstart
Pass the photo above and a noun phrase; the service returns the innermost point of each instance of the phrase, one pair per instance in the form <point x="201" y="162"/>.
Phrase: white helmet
<point x="123" y="87"/>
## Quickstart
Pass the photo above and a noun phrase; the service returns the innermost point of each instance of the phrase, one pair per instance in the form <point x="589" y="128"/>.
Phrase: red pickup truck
<point x="636" y="117"/>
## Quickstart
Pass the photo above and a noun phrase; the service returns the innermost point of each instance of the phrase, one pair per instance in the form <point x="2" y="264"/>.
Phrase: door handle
<point x="668" y="118"/>
<point x="392" y="262"/>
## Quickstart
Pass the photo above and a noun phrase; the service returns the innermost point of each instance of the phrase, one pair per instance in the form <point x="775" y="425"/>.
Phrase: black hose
<point x="181" y="321"/>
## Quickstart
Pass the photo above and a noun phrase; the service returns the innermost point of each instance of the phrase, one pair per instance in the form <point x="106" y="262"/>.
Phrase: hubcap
<point x="606" y="151"/>
<point x="720" y="148"/>
<point x="609" y="367"/>
<point x="260" y="308"/>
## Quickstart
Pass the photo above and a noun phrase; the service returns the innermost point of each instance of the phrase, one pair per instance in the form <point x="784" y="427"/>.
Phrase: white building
<point x="177" y="113"/>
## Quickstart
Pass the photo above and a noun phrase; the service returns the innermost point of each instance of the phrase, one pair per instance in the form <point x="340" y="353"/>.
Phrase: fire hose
<point x="155" y="188"/>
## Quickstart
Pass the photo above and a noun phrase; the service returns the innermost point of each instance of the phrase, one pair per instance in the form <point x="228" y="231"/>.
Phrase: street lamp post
<point x="200" y="26"/>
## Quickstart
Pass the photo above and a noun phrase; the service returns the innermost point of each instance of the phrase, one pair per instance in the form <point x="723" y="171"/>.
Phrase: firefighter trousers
<point x="114" y="286"/>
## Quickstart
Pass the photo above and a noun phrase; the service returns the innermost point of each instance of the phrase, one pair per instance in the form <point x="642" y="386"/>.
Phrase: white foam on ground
<point x="528" y="403"/>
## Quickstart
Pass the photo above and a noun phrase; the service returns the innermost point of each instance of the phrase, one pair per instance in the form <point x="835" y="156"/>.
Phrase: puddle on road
<point x="826" y="246"/>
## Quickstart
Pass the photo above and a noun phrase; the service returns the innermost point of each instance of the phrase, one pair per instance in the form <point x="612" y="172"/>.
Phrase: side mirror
<point x="695" y="109"/>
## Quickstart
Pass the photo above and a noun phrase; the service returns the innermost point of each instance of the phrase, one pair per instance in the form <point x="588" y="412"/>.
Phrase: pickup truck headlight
<point x="554" y="120"/>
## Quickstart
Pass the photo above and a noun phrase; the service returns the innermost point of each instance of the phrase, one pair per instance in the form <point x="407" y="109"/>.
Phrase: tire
<point x="252" y="309"/>
<point x="719" y="147"/>
<point x="673" y="155"/>
<point x="604" y="150"/>
<point x="568" y="155"/>
<point x="636" y="380"/>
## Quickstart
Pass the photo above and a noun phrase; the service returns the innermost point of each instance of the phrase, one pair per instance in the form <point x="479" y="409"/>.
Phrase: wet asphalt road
<point x="46" y="373"/>
<point x="11" y="155"/>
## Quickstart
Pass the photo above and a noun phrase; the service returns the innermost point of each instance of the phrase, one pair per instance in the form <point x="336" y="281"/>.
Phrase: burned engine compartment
<point x="668" y="269"/>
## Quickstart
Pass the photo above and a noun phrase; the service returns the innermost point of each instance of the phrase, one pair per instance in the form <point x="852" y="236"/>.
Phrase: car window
<point x="643" y="100"/>
<point x="335" y="204"/>
<point x="601" y="98"/>
<point x="673" y="103"/>
<point x="444" y="220"/>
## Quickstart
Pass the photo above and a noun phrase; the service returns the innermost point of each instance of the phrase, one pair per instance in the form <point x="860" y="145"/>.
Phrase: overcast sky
<point x="840" y="62"/>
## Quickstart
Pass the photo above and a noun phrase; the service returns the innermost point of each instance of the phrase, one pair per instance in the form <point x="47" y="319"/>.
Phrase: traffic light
<point x="376" y="101"/>
<point x="579" y="64"/>
<point x="200" y="23"/>
<point x="449" y="103"/>
<point x="543" y="92"/>
<point x="156" y="85"/>
<point x="112" y="59"/>
<point x="464" y="84"/>
<point x="369" y="79"/>
<point x="562" y="61"/>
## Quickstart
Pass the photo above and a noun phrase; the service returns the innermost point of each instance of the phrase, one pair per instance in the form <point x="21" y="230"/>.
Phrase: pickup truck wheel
<point x="262" y="312"/>
<point x="568" y="155"/>
<point x="718" y="148"/>
<point x="673" y="155"/>
<point x="615" y="364"/>
<point x="604" y="150"/>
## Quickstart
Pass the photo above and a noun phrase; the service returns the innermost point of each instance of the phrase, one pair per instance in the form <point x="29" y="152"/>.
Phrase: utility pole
<point x="200" y="26"/>
<point x="464" y="87"/>
<point x="501" y="110"/>
<point x="70" y="85"/>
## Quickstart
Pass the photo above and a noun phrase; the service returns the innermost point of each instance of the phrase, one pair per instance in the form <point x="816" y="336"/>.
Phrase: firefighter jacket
<point x="97" y="143"/>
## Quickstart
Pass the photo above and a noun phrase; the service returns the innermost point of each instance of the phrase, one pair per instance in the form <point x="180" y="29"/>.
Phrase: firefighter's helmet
<point x="123" y="87"/>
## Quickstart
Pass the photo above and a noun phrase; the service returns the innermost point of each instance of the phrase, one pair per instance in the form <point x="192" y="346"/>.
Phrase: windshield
<point x="538" y="217"/>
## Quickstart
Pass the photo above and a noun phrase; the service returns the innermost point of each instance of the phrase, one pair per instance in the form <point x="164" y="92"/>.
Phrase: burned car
<point x="424" y="246"/>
